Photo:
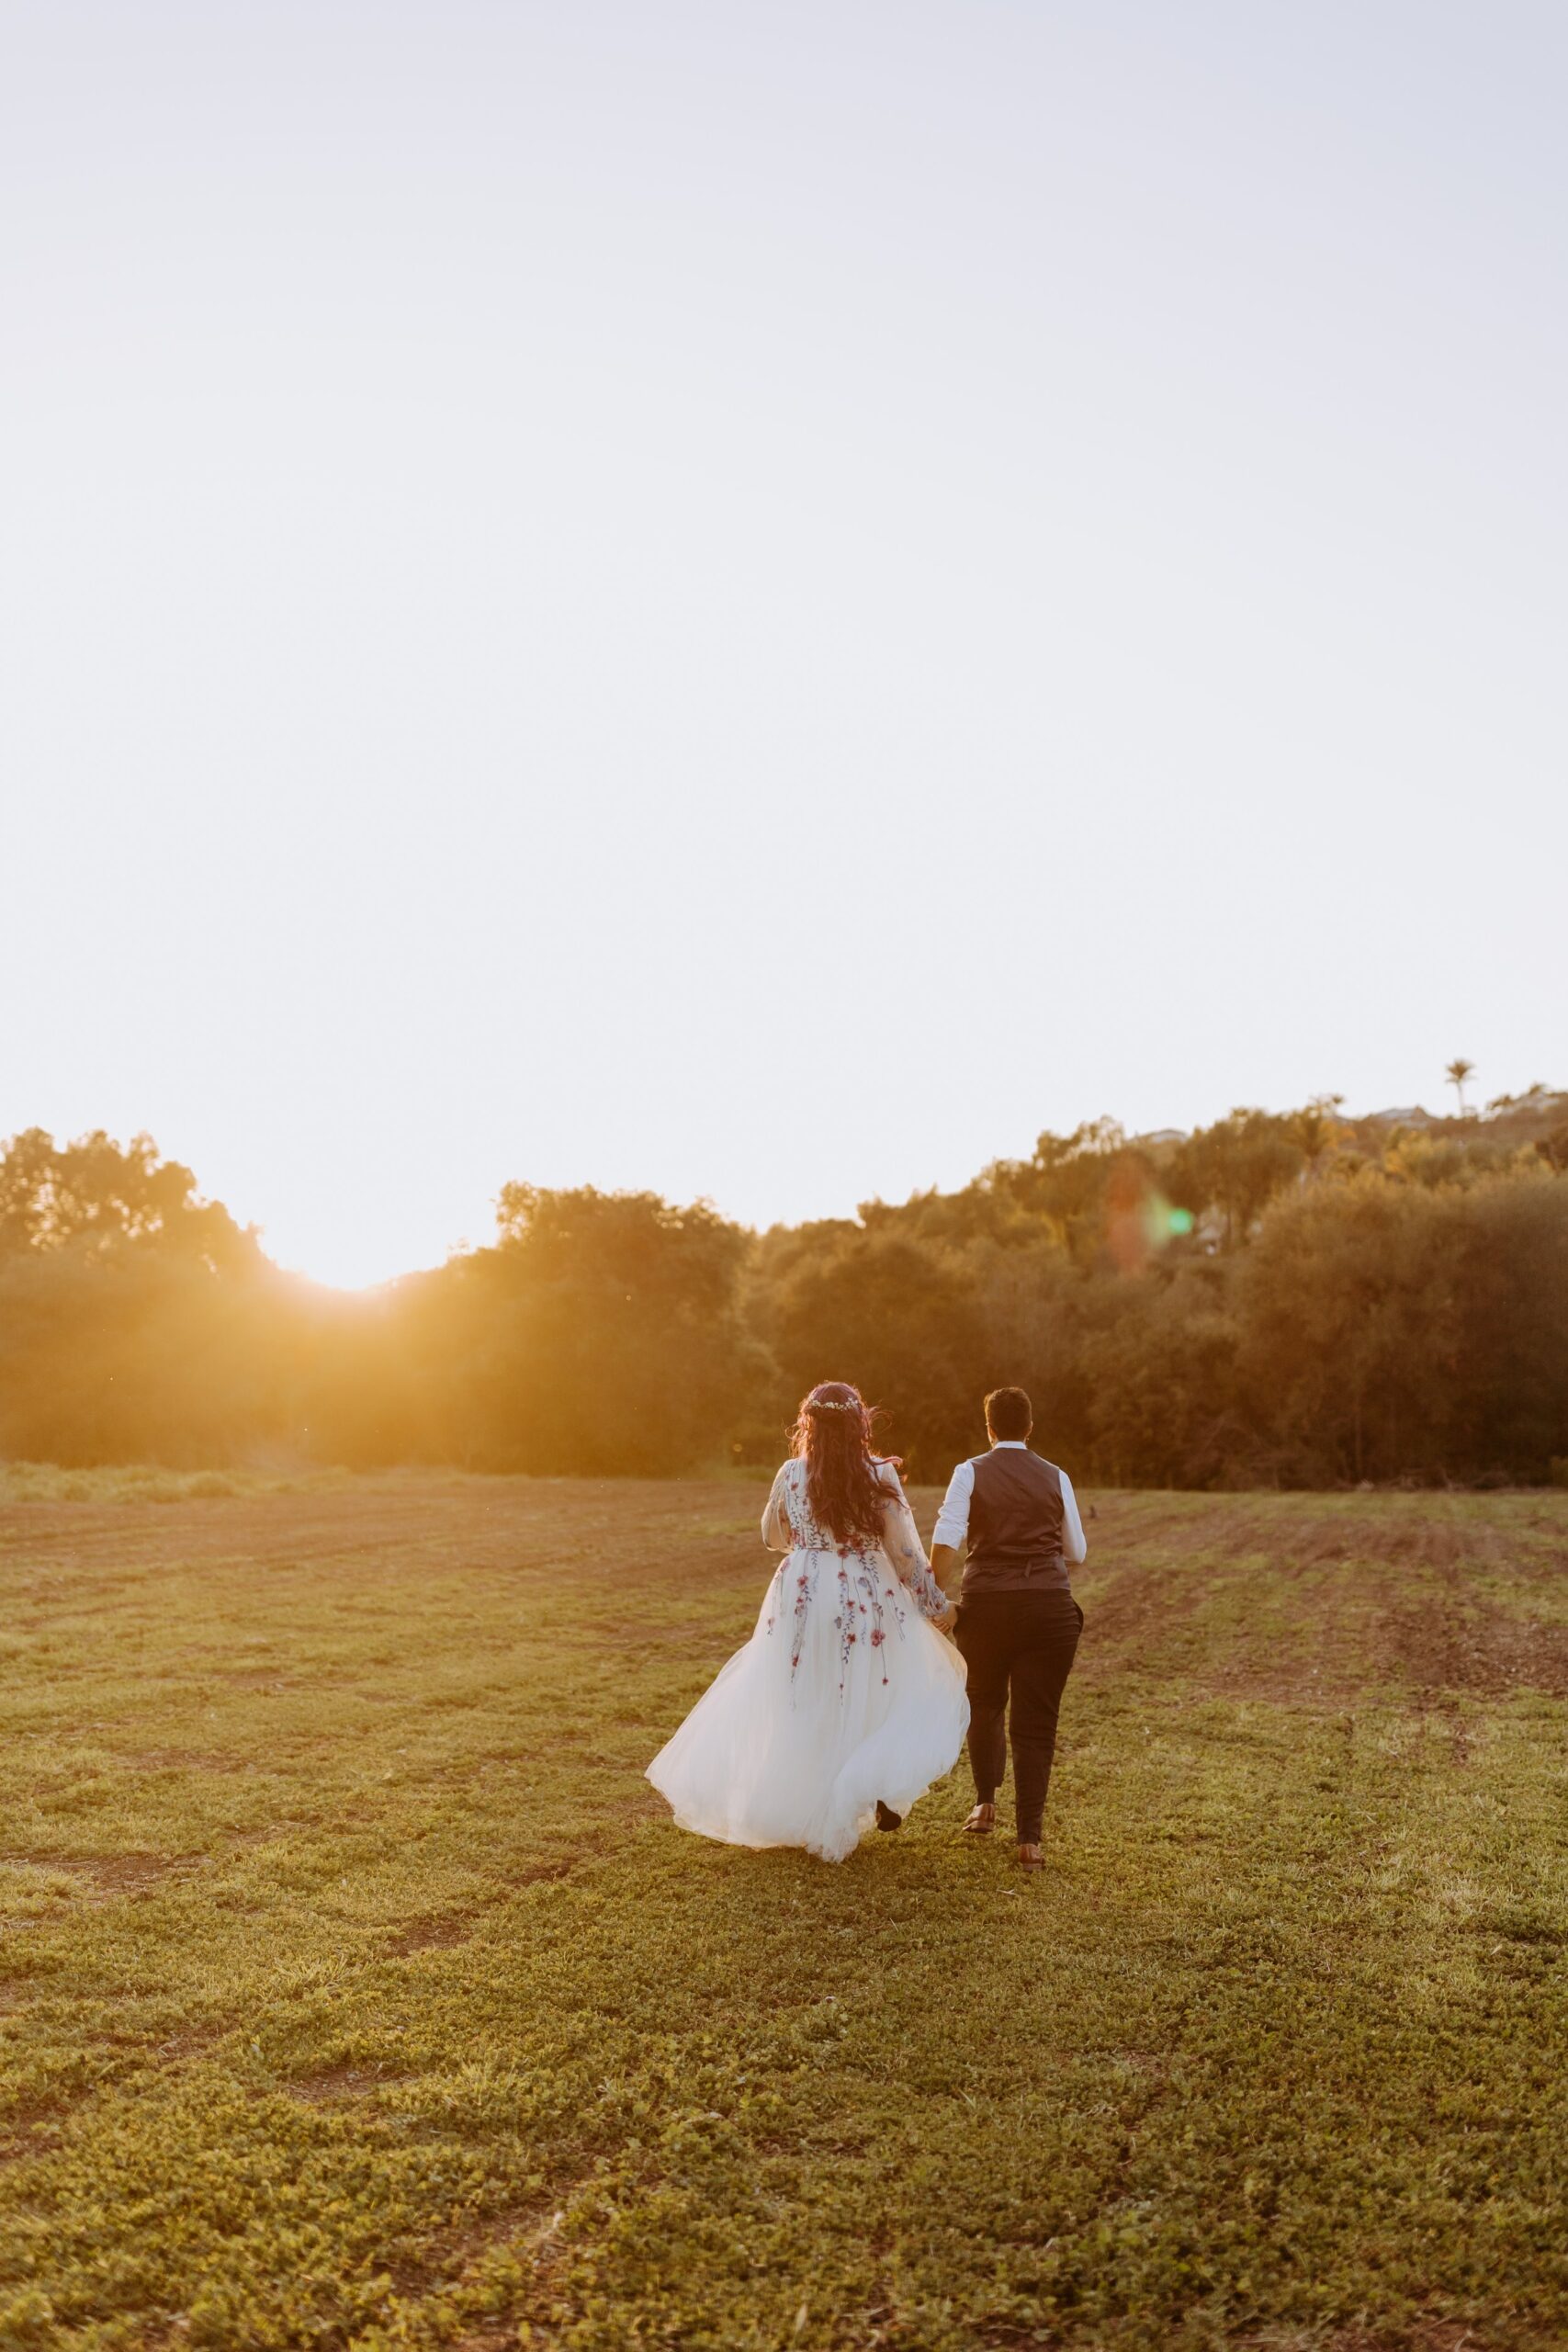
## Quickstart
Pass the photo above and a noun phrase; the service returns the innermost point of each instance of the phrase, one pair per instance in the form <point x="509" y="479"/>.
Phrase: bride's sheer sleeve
<point x="775" y="1517"/>
<point x="901" y="1541"/>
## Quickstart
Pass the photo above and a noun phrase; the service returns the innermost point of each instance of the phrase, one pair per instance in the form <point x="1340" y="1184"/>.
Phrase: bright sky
<point x="764" y="597"/>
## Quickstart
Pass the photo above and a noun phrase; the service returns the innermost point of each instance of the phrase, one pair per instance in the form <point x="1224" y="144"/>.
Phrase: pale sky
<point x="765" y="599"/>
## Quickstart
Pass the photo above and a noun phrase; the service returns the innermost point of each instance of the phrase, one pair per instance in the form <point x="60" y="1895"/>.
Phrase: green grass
<point x="356" y="1991"/>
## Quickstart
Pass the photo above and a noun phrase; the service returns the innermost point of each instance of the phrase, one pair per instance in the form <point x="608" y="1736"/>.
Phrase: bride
<point x="845" y="1704"/>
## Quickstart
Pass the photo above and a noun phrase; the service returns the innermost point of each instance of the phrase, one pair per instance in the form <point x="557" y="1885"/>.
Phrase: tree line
<point x="1289" y="1298"/>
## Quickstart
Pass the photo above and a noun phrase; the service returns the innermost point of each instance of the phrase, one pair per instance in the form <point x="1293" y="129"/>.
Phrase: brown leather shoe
<point x="981" y="1822"/>
<point x="1031" y="1858"/>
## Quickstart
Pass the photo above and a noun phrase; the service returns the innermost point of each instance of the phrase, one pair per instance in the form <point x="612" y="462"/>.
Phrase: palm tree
<point x="1317" y="1127"/>
<point x="1458" y="1069"/>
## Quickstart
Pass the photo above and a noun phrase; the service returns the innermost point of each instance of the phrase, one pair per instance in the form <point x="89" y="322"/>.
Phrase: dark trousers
<point x="1023" y="1642"/>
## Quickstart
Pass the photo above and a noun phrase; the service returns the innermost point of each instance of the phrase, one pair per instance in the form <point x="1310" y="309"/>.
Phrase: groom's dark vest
<point x="1015" y="1525"/>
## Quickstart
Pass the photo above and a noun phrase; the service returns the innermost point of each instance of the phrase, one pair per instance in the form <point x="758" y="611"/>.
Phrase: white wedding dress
<point x="844" y="1693"/>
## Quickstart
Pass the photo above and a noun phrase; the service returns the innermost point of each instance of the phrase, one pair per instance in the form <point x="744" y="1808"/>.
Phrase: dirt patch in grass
<point x="1136" y="1611"/>
<point x="1359" y="1595"/>
<point x="1474" y="1645"/>
<point x="110" y="1874"/>
<point x="33" y="2131"/>
<point x="600" y="1533"/>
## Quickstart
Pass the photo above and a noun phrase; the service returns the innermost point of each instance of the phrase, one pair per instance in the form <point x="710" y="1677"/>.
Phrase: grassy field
<point x="356" y="1991"/>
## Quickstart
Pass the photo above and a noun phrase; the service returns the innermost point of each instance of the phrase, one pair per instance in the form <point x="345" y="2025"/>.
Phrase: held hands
<point x="946" y="1621"/>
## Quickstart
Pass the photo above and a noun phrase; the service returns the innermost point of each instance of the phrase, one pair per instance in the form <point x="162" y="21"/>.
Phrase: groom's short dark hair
<point x="1009" y="1413"/>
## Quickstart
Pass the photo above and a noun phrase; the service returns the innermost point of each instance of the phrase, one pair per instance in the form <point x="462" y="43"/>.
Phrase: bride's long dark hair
<point x="832" y="1436"/>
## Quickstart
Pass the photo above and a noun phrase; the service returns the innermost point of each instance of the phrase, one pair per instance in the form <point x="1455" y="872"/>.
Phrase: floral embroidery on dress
<point x="804" y="1524"/>
<point x="870" y="1583"/>
<point x="856" y="1575"/>
<point x="860" y="1569"/>
<point x="802" y="1603"/>
<point x="905" y="1550"/>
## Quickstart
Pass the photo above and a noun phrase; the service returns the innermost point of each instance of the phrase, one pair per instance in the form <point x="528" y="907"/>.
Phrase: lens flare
<point x="1139" y="1221"/>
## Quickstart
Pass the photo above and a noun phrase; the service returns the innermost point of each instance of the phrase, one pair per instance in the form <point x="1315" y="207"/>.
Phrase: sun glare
<point x="335" y="1259"/>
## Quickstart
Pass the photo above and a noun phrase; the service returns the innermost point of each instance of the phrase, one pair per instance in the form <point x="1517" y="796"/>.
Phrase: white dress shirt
<point x="952" y="1520"/>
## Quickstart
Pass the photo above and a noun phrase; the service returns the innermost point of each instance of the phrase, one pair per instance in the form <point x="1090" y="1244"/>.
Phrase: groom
<point x="1017" y="1622"/>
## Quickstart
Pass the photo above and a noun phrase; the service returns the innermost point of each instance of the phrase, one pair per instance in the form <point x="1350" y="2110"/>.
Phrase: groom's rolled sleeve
<point x="952" y="1520"/>
<point x="1073" y="1541"/>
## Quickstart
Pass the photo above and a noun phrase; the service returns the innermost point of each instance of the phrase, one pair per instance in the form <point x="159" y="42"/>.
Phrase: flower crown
<point x="830" y="1405"/>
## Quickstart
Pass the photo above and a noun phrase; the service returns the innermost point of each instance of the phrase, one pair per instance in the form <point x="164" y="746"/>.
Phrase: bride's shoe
<point x="1031" y="1858"/>
<point x="886" y="1818"/>
<point x="981" y="1822"/>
